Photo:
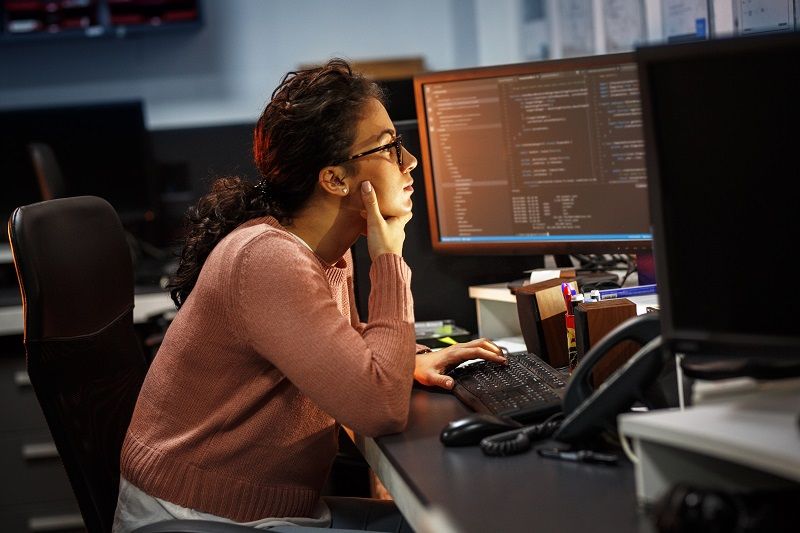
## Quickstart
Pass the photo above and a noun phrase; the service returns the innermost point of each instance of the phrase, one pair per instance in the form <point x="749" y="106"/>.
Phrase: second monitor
<point x="535" y="158"/>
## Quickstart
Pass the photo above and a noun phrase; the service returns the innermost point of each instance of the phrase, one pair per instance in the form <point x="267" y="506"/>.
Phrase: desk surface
<point x="462" y="490"/>
<point x="145" y="306"/>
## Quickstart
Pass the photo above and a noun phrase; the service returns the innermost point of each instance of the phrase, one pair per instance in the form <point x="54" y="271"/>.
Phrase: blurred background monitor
<point x="719" y="117"/>
<point x="535" y="158"/>
<point x="99" y="149"/>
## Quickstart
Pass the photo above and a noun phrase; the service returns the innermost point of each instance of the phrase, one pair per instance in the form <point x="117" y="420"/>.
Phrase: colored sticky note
<point x="446" y="329"/>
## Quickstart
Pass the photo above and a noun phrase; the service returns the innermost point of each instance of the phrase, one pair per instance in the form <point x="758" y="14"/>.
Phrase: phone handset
<point x="627" y="385"/>
<point x="640" y="329"/>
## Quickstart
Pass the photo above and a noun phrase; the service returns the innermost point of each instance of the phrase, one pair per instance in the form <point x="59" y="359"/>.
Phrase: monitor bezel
<point x="511" y="248"/>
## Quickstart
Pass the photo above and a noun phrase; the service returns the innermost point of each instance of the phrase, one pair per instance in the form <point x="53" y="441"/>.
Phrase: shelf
<point x="36" y="20"/>
<point x="746" y="440"/>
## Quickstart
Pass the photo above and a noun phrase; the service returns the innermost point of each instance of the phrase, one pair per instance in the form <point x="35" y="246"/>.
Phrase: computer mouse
<point x="469" y="431"/>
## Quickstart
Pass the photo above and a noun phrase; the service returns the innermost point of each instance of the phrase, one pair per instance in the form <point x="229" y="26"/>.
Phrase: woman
<point x="238" y="416"/>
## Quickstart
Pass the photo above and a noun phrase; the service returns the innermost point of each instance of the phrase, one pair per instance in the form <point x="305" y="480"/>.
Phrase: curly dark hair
<point x="310" y="122"/>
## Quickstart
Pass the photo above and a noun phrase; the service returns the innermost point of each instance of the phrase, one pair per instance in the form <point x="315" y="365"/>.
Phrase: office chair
<point x="84" y="358"/>
<point x="51" y="186"/>
<point x="47" y="170"/>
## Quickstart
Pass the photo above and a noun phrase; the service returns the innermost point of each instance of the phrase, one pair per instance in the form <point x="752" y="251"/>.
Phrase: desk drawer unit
<point x="50" y="517"/>
<point x="35" y="494"/>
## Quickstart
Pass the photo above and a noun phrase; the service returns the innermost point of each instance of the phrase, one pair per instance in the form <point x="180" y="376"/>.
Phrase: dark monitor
<point x="100" y="149"/>
<point x="400" y="99"/>
<point x="721" y="118"/>
<point x="535" y="158"/>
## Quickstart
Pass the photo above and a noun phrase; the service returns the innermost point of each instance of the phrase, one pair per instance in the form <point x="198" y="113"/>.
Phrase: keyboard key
<point x="525" y="388"/>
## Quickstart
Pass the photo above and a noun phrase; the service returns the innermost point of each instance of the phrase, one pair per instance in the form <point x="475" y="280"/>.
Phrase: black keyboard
<point x="527" y="389"/>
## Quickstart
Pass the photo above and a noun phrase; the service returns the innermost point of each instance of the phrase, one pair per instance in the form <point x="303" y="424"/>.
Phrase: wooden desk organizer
<point x="541" y="311"/>
<point x="593" y="320"/>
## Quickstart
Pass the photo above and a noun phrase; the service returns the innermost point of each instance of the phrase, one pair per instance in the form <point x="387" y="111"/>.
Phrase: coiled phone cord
<point x="520" y="440"/>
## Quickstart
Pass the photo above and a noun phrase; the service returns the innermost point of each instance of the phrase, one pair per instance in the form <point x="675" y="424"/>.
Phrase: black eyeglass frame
<point x="397" y="144"/>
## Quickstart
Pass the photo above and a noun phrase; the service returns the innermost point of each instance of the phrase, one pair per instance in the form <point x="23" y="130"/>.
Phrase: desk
<point x="447" y="490"/>
<point x="747" y="440"/>
<point x="5" y="254"/>
<point x="145" y="306"/>
<point x="496" y="309"/>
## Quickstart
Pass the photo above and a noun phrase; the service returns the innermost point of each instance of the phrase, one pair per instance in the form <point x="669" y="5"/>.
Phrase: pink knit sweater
<point x="237" y="415"/>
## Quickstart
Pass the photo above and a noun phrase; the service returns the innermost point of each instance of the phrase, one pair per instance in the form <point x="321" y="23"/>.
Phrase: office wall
<point x="225" y="72"/>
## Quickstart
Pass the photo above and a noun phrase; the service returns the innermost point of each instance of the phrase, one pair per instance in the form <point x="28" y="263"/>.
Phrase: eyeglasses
<point x="397" y="144"/>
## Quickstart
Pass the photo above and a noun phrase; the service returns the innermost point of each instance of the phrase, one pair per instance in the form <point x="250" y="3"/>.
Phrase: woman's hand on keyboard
<point x="431" y="367"/>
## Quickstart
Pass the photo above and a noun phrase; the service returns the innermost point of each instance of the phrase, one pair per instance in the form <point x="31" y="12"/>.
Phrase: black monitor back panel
<point x="721" y="120"/>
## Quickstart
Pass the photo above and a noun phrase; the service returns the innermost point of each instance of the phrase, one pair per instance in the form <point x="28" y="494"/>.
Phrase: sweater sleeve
<point x="286" y="312"/>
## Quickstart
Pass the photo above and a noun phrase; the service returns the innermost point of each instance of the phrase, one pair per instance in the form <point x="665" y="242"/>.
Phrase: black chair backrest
<point x="48" y="171"/>
<point x="84" y="357"/>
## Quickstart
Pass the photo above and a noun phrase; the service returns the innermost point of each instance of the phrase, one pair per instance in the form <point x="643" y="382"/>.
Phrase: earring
<point x="344" y="190"/>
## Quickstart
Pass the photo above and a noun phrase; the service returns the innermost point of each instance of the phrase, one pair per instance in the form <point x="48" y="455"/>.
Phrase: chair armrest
<point x="193" y="526"/>
<point x="211" y="526"/>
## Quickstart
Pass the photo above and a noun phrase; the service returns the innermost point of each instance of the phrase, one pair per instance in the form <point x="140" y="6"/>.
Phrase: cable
<point x="679" y="374"/>
<point x="632" y="266"/>
<point x="688" y="508"/>
<point x="626" y="447"/>
<point x="520" y="440"/>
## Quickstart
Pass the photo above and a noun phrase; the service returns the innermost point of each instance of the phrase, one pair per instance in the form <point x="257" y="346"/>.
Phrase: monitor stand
<point x="558" y="261"/>
<point x="548" y="262"/>
<point x="586" y="279"/>
<point x="646" y="268"/>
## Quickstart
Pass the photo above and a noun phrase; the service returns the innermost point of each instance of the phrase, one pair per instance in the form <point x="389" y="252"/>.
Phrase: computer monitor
<point x="101" y="150"/>
<point x="437" y="274"/>
<point x="535" y="158"/>
<point x="721" y="120"/>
